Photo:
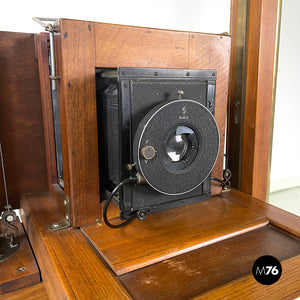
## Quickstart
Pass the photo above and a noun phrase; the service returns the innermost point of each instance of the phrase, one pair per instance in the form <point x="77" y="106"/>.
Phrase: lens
<point x="181" y="146"/>
<point x="177" y="146"/>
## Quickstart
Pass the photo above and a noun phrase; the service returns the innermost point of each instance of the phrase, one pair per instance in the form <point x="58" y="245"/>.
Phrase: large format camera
<point x="157" y="126"/>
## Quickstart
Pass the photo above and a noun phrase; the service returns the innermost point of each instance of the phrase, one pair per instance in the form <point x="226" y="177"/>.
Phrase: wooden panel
<point x="10" y="278"/>
<point x="237" y="89"/>
<point x="127" y="46"/>
<point x="42" y="46"/>
<point x="21" y="127"/>
<point x="213" y="51"/>
<point x="259" y="91"/>
<point x="34" y="292"/>
<point x="287" y="287"/>
<point x="51" y="271"/>
<point x="277" y="216"/>
<point x="71" y="269"/>
<point x="69" y="266"/>
<point x="170" y="233"/>
<point x="75" y="45"/>
<point x="196" y="272"/>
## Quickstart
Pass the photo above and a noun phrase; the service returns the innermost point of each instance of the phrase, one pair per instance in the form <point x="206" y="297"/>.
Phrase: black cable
<point x="125" y="181"/>
<point x="223" y="183"/>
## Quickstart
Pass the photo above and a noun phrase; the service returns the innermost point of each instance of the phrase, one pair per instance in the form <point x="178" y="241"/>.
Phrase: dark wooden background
<point x="21" y="127"/>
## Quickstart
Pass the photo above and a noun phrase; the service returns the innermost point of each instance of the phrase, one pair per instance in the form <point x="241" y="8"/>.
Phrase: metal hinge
<point x="49" y="27"/>
<point x="65" y="223"/>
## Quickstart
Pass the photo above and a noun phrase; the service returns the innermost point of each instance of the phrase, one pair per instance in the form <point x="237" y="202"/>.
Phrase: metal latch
<point x="65" y="223"/>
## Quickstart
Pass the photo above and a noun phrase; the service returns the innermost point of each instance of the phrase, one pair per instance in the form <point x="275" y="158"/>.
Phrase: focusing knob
<point x="148" y="152"/>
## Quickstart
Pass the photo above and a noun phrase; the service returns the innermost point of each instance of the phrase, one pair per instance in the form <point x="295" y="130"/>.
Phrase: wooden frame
<point x="83" y="46"/>
<point x="256" y="99"/>
<point x="259" y="96"/>
<point x="42" y="48"/>
<point x="237" y="90"/>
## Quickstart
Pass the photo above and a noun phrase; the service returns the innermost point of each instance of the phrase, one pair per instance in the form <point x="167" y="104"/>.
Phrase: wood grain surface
<point x="21" y="126"/>
<point x="42" y="48"/>
<point x="191" y="274"/>
<point x="238" y="30"/>
<point x="278" y="217"/>
<point x="259" y="97"/>
<point x="10" y="277"/>
<point x="70" y="268"/>
<point x="128" y="46"/>
<point x="208" y="52"/>
<point x="33" y="292"/>
<point x="170" y="233"/>
<point x="75" y="52"/>
<point x="287" y="287"/>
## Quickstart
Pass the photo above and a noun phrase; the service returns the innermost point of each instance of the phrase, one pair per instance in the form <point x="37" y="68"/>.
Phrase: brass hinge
<point x="65" y="223"/>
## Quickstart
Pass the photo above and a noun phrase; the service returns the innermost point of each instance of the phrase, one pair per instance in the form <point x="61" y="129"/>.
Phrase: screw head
<point x="22" y="269"/>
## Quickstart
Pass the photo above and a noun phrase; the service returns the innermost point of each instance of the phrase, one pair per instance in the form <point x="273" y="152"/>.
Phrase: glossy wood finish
<point x="42" y="48"/>
<point x="70" y="268"/>
<point x="21" y="126"/>
<point x="208" y="52"/>
<point x="71" y="265"/>
<point x="247" y="288"/>
<point x="194" y="273"/>
<point x="82" y="46"/>
<point x="237" y="89"/>
<point x="170" y="233"/>
<point x="127" y="46"/>
<point x="33" y="292"/>
<point x="279" y="217"/>
<point x="259" y="92"/>
<point x="10" y="277"/>
<point x="75" y="48"/>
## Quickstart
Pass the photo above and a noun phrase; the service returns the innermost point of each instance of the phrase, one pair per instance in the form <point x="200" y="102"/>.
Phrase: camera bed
<point x="171" y="232"/>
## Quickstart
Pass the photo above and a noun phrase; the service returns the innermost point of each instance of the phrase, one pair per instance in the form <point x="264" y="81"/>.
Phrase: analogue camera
<point x="158" y="127"/>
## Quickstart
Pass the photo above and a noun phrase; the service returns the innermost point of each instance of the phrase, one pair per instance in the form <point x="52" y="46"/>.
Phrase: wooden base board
<point x="170" y="233"/>
<point x="33" y="292"/>
<point x="11" y="276"/>
<point x="204" y="269"/>
<point x="71" y="268"/>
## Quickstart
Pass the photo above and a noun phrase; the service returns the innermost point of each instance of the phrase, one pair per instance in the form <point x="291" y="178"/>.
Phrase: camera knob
<point x="148" y="152"/>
